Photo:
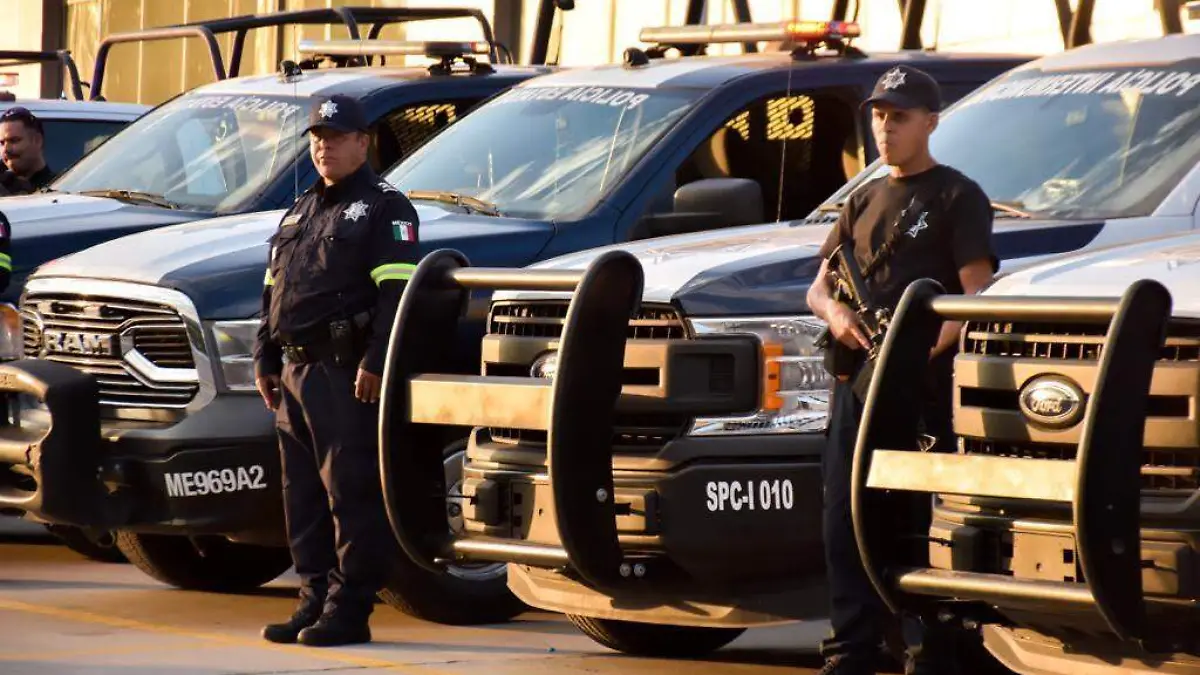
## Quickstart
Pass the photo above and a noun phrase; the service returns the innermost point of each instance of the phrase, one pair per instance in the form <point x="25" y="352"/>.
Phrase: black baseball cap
<point x="18" y="113"/>
<point x="907" y="87"/>
<point x="338" y="112"/>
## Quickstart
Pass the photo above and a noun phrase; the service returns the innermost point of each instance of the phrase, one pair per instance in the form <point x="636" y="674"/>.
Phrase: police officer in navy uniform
<point x="338" y="265"/>
<point x="940" y="223"/>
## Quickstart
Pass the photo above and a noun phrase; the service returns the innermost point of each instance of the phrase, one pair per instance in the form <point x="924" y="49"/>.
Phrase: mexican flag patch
<point x="402" y="230"/>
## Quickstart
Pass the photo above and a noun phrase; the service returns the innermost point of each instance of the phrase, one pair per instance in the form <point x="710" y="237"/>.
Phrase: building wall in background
<point x="597" y="31"/>
<point x="31" y="25"/>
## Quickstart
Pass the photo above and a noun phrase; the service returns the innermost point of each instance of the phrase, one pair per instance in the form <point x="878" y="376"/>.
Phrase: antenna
<point x="292" y="72"/>
<point x="783" y="153"/>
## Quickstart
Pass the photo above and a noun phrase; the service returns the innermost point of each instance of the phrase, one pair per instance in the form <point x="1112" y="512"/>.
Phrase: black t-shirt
<point x="42" y="178"/>
<point x="952" y="229"/>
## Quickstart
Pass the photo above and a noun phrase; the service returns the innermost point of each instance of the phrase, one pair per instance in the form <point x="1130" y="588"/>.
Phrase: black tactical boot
<point x="337" y="628"/>
<point x="305" y="615"/>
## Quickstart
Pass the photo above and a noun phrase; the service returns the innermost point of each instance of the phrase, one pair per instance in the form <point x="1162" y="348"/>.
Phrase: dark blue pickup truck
<point x="564" y="162"/>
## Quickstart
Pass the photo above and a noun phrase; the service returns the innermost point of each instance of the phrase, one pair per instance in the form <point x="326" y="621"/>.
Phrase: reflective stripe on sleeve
<point x="392" y="272"/>
<point x="268" y="280"/>
<point x="6" y="261"/>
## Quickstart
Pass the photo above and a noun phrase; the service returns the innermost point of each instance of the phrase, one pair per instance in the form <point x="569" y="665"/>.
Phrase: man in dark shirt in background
<point x="22" y="147"/>
<point x="941" y="224"/>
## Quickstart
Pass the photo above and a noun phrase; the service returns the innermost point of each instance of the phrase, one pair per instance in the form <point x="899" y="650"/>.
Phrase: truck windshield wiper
<point x="469" y="203"/>
<point x="133" y="196"/>
<point x="1011" y="209"/>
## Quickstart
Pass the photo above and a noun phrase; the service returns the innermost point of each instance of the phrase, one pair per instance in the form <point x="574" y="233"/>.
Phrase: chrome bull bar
<point x="1102" y="484"/>
<point x="576" y="409"/>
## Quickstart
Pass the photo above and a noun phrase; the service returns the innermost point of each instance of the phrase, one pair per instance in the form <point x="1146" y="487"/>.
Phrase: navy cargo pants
<point x="337" y="528"/>
<point x="857" y="614"/>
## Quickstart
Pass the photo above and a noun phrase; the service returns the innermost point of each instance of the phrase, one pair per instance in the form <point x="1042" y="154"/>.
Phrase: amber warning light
<point x="727" y="33"/>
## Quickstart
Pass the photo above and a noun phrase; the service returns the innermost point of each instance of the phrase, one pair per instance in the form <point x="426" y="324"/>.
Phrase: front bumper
<point x="1071" y="549"/>
<point x="695" y="531"/>
<point x="215" y="471"/>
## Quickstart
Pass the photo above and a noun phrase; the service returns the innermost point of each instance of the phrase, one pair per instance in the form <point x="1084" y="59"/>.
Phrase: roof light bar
<point x="391" y="48"/>
<point x="728" y="33"/>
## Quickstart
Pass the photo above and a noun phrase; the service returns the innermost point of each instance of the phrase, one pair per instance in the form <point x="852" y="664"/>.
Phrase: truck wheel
<point x="466" y="594"/>
<point x="649" y="639"/>
<point x="223" y="567"/>
<point x="98" y="545"/>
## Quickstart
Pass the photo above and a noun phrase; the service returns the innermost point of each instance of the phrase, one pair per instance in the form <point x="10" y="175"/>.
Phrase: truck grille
<point x="545" y="319"/>
<point x="1162" y="470"/>
<point x="105" y="337"/>
<point x="639" y="433"/>
<point x="1082" y="342"/>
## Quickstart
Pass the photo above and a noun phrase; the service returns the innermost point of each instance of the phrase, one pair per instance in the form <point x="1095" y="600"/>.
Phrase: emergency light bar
<point x="725" y="33"/>
<point x="391" y="48"/>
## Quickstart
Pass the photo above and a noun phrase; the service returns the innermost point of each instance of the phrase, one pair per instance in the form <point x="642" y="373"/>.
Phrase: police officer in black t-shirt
<point x="943" y="225"/>
<point x="338" y="264"/>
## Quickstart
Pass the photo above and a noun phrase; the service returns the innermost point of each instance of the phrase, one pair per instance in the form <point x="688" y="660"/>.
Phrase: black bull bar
<point x="1102" y="484"/>
<point x="576" y="410"/>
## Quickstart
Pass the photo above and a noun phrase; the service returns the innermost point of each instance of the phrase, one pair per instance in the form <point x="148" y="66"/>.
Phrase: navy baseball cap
<point x="21" y="114"/>
<point x="907" y="87"/>
<point x="338" y="112"/>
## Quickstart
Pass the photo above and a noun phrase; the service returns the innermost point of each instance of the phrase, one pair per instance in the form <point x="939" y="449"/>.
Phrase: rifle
<point x="850" y="288"/>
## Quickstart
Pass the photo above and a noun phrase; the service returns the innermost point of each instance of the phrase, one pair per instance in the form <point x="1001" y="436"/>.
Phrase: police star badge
<point x="328" y="109"/>
<point x="355" y="211"/>
<point x="893" y="78"/>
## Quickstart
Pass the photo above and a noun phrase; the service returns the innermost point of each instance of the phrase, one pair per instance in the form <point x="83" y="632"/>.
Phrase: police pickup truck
<point x="228" y="147"/>
<point x="163" y="321"/>
<point x="234" y="146"/>
<point x="658" y="479"/>
<point x="1065" y="526"/>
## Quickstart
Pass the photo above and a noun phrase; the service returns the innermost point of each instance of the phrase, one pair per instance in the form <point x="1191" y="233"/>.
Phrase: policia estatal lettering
<point x="945" y="223"/>
<point x="338" y="264"/>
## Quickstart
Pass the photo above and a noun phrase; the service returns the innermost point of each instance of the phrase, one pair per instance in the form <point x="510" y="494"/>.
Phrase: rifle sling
<point x="896" y="237"/>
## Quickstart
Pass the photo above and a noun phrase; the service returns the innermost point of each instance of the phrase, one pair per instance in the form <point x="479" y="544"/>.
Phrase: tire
<point x="465" y="595"/>
<point x="100" y="546"/>
<point x="649" y="639"/>
<point x="225" y="567"/>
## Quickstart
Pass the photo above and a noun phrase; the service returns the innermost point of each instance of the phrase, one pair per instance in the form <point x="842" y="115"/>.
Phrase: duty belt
<point x="342" y="342"/>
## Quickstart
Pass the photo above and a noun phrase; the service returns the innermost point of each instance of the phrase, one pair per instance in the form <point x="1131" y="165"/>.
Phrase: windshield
<point x="1074" y="144"/>
<point x="544" y="153"/>
<point x="202" y="152"/>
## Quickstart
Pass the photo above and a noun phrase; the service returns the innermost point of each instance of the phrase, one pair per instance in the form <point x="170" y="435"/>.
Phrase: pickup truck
<point x="658" y="478"/>
<point x="560" y="163"/>
<point x="1064" y="530"/>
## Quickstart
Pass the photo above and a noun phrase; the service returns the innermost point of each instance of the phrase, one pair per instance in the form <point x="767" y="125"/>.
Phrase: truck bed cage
<point x="350" y="16"/>
<point x="1102" y="483"/>
<point x="16" y="57"/>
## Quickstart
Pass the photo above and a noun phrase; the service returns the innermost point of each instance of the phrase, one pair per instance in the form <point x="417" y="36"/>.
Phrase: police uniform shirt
<point x="42" y="178"/>
<point x="339" y="251"/>
<point x="952" y="226"/>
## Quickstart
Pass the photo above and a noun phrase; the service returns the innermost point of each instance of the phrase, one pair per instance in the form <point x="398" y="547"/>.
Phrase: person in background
<point x="22" y="144"/>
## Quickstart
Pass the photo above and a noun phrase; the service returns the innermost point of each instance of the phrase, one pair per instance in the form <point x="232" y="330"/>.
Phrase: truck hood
<point x="219" y="263"/>
<point x="767" y="269"/>
<point x="1172" y="261"/>
<point x="51" y="225"/>
<point x="757" y="268"/>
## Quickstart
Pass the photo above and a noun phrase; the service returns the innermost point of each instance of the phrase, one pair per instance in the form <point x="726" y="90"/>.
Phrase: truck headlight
<point x="12" y="339"/>
<point x="796" y="387"/>
<point x="235" y="350"/>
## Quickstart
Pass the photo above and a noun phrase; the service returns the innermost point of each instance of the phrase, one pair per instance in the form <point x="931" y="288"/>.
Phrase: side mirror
<point x="707" y="204"/>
